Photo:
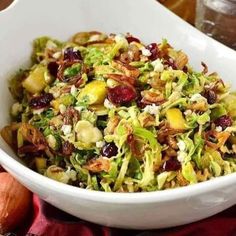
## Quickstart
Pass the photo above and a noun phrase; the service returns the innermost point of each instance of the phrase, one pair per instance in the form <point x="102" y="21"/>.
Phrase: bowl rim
<point x="217" y="183"/>
<point x="18" y="169"/>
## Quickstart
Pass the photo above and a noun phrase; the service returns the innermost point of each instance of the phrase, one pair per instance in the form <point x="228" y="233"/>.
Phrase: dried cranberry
<point x="72" y="55"/>
<point x="131" y="39"/>
<point x="139" y="102"/>
<point x="41" y="101"/>
<point x="171" y="63"/>
<point x="211" y="96"/>
<point x="121" y="94"/>
<point x="109" y="150"/>
<point x="153" y="50"/>
<point x="130" y="138"/>
<point x="53" y="68"/>
<point x="30" y="148"/>
<point x="185" y="69"/>
<point x="171" y="165"/>
<point x="67" y="148"/>
<point x="224" y="121"/>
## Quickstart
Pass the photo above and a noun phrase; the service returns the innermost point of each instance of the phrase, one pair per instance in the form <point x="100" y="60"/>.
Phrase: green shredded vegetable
<point x="106" y="113"/>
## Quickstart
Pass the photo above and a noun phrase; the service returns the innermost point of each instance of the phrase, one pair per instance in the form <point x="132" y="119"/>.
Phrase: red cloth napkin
<point x="47" y="220"/>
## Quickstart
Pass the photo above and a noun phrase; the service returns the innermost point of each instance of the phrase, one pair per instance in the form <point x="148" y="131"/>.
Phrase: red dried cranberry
<point x="41" y="101"/>
<point x="131" y="39"/>
<point x="53" y="68"/>
<point x="30" y="148"/>
<point x="224" y="121"/>
<point x="185" y="69"/>
<point x="109" y="150"/>
<point x="130" y="138"/>
<point x="153" y="50"/>
<point x="211" y="96"/>
<point x="121" y="94"/>
<point x="170" y="62"/>
<point x="171" y="165"/>
<point x="67" y="148"/>
<point x="139" y="102"/>
<point x="72" y="55"/>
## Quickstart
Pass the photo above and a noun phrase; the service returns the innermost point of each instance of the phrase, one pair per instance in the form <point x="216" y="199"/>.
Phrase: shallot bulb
<point x="15" y="201"/>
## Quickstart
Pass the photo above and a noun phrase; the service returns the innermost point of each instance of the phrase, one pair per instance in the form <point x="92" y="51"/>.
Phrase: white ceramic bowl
<point x="148" y="20"/>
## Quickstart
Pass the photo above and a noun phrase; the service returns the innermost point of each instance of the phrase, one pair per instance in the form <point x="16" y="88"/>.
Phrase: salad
<point x="109" y="113"/>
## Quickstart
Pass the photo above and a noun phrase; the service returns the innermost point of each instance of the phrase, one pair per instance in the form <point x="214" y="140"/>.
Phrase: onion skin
<point x="15" y="202"/>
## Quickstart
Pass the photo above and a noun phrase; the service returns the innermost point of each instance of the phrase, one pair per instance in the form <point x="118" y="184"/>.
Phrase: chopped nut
<point x="172" y="142"/>
<point x="181" y="60"/>
<point x="171" y="152"/>
<point x="181" y="180"/>
<point x="98" y="165"/>
<point x="153" y="97"/>
<point x="126" y="69"/>
<point x="198" y="106"/>
<point x="146" y="120"/>
<point x="111" y="125"/>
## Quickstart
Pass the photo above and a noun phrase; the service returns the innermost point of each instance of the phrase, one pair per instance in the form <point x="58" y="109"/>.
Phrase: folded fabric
<point x="50" y="221"/>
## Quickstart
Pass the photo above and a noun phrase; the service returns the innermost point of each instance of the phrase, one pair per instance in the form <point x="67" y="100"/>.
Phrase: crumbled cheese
<point x="218" y="128"/>
<point x="197" y="97"/>
<point x="56" y="55"/>
<point x="158" y="66"/>
<point x="181" y="156"/>
<point x="16" y="109"/>
<point x="108" y="104"/>
<point x="182" y="146"/>
<point x="66" y="129"/>
<point x="146" y="52"/>
<point x="38" y="111"/>
<point x="188" y="112"/>
<point x="62" y="108"/>
<point x="120" y="38"/>
<point x="100" y="144"/>
<point x="79" y="108"/>
<point x="56" y="94"/>
<point x="73" y="90"/>
<point x="152" y="109"/>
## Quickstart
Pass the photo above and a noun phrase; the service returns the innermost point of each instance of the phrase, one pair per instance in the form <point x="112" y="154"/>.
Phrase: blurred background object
<point x="5" y="3"/>
<point x="217" y="18"/>
<point x="183" y="8"/>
